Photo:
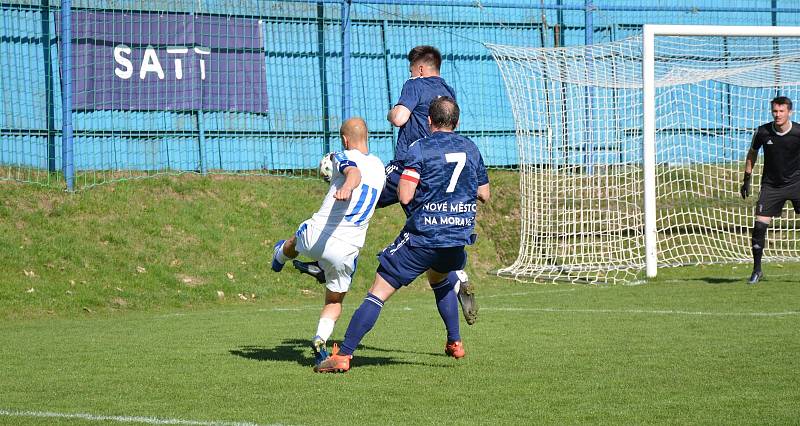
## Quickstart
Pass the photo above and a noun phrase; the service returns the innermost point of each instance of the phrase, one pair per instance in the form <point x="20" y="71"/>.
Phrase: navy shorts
<point x="400" y="264"/>
<point x="772" y="199"/>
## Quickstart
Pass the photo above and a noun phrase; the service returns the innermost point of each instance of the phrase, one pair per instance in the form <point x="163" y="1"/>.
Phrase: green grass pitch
<point x="113" y="333"/>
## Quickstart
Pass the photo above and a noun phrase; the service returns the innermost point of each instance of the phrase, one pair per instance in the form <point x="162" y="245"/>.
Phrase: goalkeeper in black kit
<point x="780" y="180"/>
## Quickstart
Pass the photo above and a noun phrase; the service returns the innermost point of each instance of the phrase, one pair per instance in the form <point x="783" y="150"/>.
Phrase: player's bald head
<point x="355" y="130"/>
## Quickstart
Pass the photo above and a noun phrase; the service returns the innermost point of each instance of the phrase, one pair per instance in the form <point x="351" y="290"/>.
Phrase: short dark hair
<point x="428" y="55"/>
<point x="782" y="100"/>
<point x="444" y="113"/>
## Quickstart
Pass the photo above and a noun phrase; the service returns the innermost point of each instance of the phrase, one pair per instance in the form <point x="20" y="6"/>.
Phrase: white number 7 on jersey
<point x="459" y="158"/>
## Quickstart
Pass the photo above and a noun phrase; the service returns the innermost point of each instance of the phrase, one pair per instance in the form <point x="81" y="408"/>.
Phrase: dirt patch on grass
<point x="189" y="280"/>
<point x="119" y="302"/>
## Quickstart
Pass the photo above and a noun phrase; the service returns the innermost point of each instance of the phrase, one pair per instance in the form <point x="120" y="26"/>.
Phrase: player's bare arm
<point x="406" y="189"/>
<point x="483" y="193"/>
<point x="352" y="180"/>
<point x="399" y="115"/>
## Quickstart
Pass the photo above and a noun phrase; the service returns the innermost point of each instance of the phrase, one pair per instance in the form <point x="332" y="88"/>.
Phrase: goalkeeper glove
<point x="745" y="189"/>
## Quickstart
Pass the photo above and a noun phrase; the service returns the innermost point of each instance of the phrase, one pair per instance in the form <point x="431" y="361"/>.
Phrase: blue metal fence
<point x="325" y="60"/>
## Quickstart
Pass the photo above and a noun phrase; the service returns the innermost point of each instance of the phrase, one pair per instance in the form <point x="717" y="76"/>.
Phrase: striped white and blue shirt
<point x="348" y="220"/>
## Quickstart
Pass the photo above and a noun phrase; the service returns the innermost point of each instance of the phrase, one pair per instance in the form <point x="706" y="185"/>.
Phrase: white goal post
<point x="631" y="152"/>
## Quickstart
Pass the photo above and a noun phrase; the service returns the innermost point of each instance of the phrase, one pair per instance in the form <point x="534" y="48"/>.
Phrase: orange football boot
<point x="455" y="349"/>
<point x="336" y="363"/>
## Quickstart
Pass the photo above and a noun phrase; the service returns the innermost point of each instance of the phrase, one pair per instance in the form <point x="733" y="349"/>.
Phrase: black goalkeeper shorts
<point x="771" y="199"/>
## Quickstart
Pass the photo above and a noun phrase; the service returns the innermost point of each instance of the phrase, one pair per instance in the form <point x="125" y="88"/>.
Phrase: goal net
<point x="582" y="153"/>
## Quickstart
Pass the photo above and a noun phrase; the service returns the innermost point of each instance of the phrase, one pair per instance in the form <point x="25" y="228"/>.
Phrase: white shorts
<point x="336" y="257"/>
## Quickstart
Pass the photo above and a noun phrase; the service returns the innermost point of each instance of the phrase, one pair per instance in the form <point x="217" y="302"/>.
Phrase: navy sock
<point x="447" y="303"/>
<point x="361" y="323"/>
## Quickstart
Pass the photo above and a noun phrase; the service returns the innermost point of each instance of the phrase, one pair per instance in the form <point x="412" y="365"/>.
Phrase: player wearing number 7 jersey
<point x="410" y="114"/>
<point x="443" y="179"/>
<point x="335" y="234"/>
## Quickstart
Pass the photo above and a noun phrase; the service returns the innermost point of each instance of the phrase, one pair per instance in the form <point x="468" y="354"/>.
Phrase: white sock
<point x="325" y="328"/>
<point x="282" y="257"/>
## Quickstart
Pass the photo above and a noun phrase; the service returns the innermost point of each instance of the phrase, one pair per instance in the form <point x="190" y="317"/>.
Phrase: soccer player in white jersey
<point x="335" y="234"/>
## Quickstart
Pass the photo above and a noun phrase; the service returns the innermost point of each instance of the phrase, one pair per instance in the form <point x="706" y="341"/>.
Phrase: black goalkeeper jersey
<point x="781" y="154"/>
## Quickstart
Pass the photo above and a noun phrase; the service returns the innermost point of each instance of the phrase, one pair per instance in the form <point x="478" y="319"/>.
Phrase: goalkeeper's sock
<point x="759" y="241"/>
<point x="361" y="323"/>
<point x="447" y="303"/>
<point x="325" y="328"/>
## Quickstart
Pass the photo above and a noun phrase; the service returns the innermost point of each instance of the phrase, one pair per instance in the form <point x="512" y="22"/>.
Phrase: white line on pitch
<point x="525" y="293"/>
<point x="641" y="311"/>
<point x="120" y="419"/>
<point x="278" y="309"/>
<point x="233" y="311"/>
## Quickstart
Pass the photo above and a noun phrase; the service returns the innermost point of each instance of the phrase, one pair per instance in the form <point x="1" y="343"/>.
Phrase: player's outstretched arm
<point x="352" y="178"/>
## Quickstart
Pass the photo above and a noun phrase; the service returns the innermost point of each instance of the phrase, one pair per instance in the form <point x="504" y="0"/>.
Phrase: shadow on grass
<point x="717" y="280"/>
<point x="299" y="351"/>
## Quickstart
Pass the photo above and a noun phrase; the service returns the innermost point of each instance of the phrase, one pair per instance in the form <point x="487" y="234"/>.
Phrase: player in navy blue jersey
<point x="410" y="114"/>
<point x="780" y="180"/>
<point x="443" y="179"/>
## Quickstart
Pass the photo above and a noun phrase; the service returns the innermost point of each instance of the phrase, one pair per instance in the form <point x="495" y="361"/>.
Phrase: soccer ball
<point x="326" y="167"/>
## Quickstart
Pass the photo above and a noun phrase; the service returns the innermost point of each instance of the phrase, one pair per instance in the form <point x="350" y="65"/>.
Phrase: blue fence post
<point x="774" y="13"/>
<point x="323" y="78"/>
<point x="559" y="37"/>
<point x="588" y="144"/>
<point x="68" y="165"/>
<point x="201" y="143"/>
<point x="346" y="77"/>
<point x="588" y="33"/>
<point x="389" y="98"/>
<point x="48" y="86"/>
